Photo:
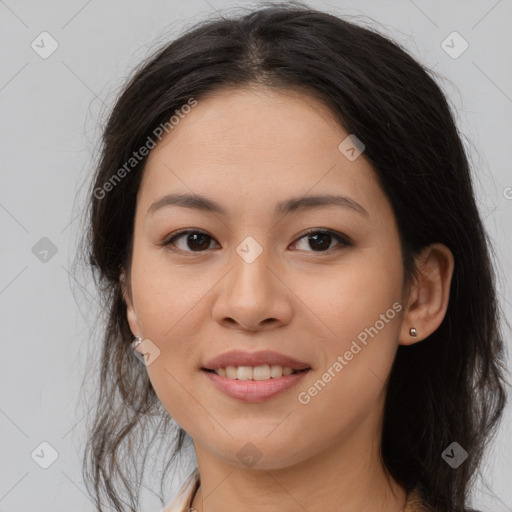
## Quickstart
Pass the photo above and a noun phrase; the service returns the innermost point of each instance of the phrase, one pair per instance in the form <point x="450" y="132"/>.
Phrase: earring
<point x="136" y="342"/>
<point x="413" y="332"/>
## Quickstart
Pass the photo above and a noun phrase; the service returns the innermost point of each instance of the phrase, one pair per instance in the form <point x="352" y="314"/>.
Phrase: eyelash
<point x="345" y="241"/>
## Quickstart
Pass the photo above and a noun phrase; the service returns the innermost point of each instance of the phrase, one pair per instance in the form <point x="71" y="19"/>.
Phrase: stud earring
<point x="136" y="342"/>
<point x="413" y="332"/>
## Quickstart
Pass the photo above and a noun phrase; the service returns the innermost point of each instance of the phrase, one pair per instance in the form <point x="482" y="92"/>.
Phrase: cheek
<point x="364" y="315"/>
<point x="165" y="294"/>
<point x="353" y="296"/>
<point x="168" y="302"/>
<point x="360" y="310"/>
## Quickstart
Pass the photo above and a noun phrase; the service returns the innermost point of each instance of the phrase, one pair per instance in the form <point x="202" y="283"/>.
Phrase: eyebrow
<point x="203" y="203"/>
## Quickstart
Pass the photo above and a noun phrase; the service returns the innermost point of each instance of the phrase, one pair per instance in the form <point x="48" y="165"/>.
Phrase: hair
<point x="450" y="387"/>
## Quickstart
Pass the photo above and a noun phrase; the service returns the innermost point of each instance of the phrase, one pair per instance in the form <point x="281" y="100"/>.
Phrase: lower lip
<point x="254" y="390"/>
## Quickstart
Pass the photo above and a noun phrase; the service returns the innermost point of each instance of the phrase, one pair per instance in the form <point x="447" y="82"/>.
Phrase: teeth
<point x="263" y="372"/>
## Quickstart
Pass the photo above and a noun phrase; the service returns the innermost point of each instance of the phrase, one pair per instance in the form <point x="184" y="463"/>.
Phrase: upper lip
<point x="260" y="358"/>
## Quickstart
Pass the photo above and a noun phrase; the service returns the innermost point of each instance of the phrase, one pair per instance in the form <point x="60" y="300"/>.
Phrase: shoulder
<point x="183" y="500"/>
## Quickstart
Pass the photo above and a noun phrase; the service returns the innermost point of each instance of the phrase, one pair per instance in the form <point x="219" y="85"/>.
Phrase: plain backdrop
<point x="51" y="110"/>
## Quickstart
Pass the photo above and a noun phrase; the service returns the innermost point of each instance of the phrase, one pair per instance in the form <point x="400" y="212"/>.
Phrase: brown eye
<point x="194" y="241"/>
<point x="198" y="241"/>
<point x="320" y="240"/>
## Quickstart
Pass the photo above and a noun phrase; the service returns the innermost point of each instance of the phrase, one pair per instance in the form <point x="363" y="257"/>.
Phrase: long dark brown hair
<point x="450" y="387"/>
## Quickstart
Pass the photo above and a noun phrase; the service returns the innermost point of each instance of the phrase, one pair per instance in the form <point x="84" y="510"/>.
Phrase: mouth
<point x="253" y="390"/>
<point x="259" y="363"/>
<point x="255" y="373"/>
<point x="254" y="376"/>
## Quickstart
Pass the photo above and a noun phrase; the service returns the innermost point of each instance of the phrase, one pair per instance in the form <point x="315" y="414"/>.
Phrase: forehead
<point x="229" y="122"/>
<point x="256" y="143"/>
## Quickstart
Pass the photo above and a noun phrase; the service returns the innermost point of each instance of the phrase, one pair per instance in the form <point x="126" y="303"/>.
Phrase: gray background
<point x="51" y="110"/>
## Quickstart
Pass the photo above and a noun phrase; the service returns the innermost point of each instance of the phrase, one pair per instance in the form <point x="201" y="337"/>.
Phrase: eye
<point x="322" y="238"/>
<point x="194" y="240"/>
<point x="198" y="241"/>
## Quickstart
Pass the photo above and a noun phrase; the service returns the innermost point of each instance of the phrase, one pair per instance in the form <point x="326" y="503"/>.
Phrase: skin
<point x="249" y="149"/>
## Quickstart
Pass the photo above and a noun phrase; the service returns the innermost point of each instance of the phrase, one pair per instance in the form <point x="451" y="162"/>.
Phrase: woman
<point x="285" y="232"/>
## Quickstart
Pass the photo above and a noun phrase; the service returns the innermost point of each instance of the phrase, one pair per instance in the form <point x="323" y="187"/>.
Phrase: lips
<point x="255" y="391"/>
<point x="260" y="358"/>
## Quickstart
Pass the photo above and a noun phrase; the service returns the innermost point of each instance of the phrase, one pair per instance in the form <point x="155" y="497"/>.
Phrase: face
<point x="318" y="283"/>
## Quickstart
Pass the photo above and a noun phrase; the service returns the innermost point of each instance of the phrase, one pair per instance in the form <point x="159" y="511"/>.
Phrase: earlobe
<point x="131" y="316"/>
<point x="428" y="295"/>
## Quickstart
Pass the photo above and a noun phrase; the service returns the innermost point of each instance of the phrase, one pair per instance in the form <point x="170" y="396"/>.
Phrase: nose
<point x="253" y="296"/>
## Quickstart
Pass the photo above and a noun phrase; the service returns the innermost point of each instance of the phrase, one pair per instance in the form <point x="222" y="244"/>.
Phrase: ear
<point x="131" y="315"/>
<point x="428" y="296"/>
